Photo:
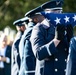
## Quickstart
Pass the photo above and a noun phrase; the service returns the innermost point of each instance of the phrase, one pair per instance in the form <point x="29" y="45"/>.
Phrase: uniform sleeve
<point x="40" y="48"/>
<point x="70" y="69"/>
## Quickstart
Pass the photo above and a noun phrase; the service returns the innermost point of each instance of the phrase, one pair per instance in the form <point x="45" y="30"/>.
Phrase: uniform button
<point x="65" y="60"/>
<point x="65" y="70"/>
<point x="56" y="59"/>
<point x="65" y="32"/>
<point x="56" y="70"/>
<point x="65" y="49"/>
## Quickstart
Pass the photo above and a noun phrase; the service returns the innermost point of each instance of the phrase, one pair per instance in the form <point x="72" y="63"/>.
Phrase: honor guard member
<point x="29" y="62"/>
<point x="15" y="66"/>
<point x="71" y="68"/>
<point x="71" y="61"/>
<point x="52" y="52"/>
<point x="21" y="44"/>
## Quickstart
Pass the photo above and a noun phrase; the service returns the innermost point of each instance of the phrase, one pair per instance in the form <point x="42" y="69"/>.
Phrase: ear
<point x="36" y="20"/>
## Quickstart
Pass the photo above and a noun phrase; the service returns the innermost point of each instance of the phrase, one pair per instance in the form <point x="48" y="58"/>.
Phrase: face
<point x="22" y="28"/>
<point x="39" y="18"/>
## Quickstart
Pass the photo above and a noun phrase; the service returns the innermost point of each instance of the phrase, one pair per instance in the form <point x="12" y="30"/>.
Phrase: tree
<point x="11" y="10"/>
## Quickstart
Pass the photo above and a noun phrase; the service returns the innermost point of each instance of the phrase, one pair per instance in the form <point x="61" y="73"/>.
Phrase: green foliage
<point x="69" y="5"/>
<point x="11" y="10"/>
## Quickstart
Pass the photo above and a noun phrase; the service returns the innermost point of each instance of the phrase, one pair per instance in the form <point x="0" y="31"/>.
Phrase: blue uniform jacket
<point x="28" y="60"/>
<point x="15" y="66"/>
<point x="71" y="62"/>
<point x="50" y="60"/>
<point x="7" y="66"/>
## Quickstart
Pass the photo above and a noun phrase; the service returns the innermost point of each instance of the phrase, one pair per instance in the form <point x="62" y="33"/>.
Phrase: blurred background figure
<point x="1" y="32"/>
<point x="21" y="44"/>
<point x="5" y="56"/>
<point x="15" y="65"/>
<point x="11" y="37"/>
<point x="10" y="34"/>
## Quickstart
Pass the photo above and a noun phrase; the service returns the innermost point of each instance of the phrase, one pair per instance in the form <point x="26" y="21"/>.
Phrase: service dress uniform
<point x="50" y="60"/>
<point x="15" y="66"/>
<point x="20" y="26"/>
<point x="71" y="61"/>
<point x="28" y="61"/>
<point x="28" y="58"/>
